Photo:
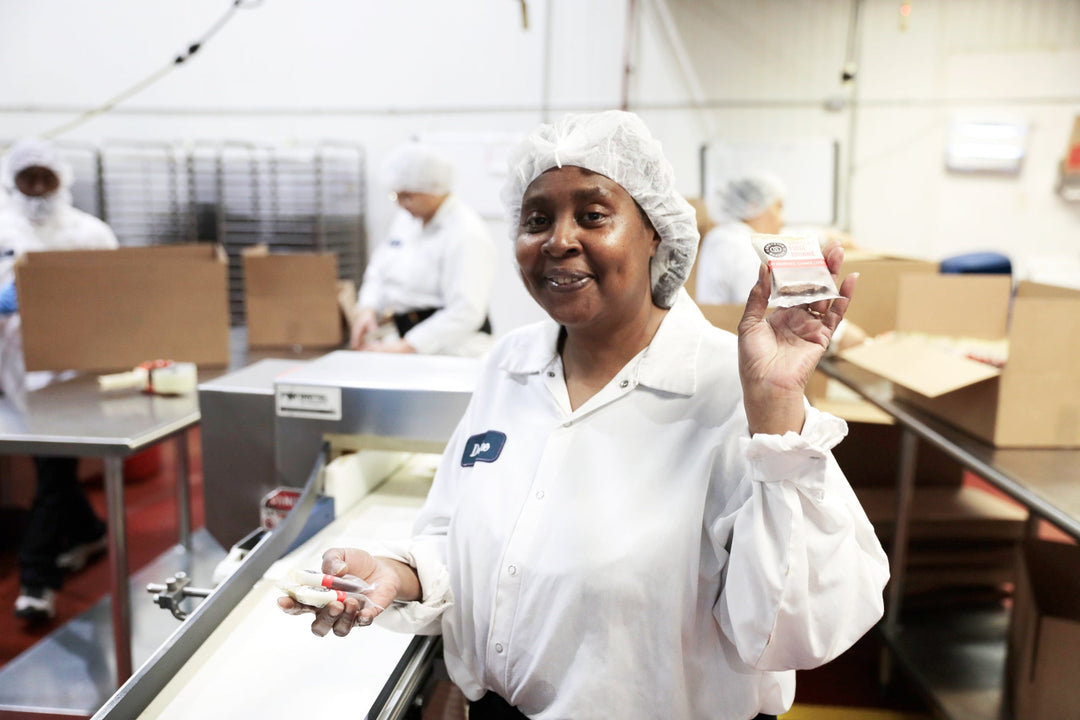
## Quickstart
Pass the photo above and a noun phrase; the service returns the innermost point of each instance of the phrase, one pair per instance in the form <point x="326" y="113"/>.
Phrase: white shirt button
<point x="624" y="383"/>
<point x="551" y="373"/>
<point x="568" y="423"/>
<point x="498" y="647"/>
<point x="512" y="569"/>
<point x="539" y="494"/>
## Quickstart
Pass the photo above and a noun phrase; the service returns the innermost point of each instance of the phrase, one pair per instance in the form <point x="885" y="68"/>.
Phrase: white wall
<point x="378" y="73"/>
<point x="766" y="68"/>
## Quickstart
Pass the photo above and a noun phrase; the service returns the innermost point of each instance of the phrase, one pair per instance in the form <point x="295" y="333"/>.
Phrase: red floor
<point x="851" y="680"/>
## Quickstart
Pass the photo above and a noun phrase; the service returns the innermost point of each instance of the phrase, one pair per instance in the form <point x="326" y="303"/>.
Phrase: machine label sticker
<point x="305" y="401"/>
<point x="485" y="447"/>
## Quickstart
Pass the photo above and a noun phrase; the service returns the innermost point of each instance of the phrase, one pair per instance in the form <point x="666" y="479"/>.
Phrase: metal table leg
<point x="1032" y="525"/>
<point x="905" y="489"/>
<point x="118" y="566"/>
<point x="183" y="491"/>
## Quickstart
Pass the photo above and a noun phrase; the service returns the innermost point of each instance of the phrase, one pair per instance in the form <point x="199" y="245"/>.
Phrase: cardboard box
<point x="1034" y="401"/>
<point x="1044" y="635"/>
<point x="876" y="299"/>
<point x="102" y="310"/>
<point x="873" y="308"/>
<point x="291" y="299"/>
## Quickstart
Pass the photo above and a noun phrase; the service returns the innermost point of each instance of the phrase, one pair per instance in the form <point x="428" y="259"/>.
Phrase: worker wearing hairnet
<point x="62" y="531"/>
<point x="727" y="263"/>
<point x="433" y="274"/>
<point x="639" y="516"/>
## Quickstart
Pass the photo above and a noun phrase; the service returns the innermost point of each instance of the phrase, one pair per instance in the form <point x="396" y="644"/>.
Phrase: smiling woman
<point x="625" y="464"/>
<point x="584" y="248"/>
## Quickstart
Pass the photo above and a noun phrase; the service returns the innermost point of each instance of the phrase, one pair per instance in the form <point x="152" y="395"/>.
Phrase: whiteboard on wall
<point x="807" y="167"/>
<point x="481" y="163"/>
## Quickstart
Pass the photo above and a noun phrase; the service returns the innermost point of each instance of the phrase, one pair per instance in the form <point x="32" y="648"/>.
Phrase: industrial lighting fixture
<point x="986" y="146"/>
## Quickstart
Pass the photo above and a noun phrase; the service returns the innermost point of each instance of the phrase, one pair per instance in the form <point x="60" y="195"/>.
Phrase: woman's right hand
<point x="343" y="617"/>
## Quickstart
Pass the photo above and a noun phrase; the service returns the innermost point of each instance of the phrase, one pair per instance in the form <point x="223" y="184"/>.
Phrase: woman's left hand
<point x="778" y="352"/>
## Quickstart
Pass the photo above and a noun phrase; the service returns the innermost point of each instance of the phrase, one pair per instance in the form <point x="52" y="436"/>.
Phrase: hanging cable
<point x="156" y="75"/>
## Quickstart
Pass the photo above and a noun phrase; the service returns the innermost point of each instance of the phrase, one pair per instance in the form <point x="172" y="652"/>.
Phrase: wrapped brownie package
<point x="799" y="273"/>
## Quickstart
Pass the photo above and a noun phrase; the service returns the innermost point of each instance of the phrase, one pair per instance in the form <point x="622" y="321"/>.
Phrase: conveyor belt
<point x="259" y="662"/>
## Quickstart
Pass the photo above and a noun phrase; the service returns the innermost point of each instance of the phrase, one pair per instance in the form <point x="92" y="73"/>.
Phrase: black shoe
<point x="36" y="604"/>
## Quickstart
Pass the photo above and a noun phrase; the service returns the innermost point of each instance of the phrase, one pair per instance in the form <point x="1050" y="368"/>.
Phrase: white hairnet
<point x="34" y="153"/>
<point x="418" y="168"/>
<point x="619" y="146"/>
<point x="746" y="197"/>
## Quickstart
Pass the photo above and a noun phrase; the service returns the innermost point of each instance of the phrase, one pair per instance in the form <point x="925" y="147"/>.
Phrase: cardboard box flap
<point x="915" y="364"/>
<point x="863" y="254"/>
<point x="877" y="292"/>
<point x="965" y="305"/>
<point x="1044" y="336"/>
<point x="308" y="274"/>
<point x="1028" y="289"/>
<point x="150" y="253"/>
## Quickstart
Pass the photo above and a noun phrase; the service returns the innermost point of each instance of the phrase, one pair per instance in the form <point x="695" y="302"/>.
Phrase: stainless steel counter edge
<point x="69" y="445"/>
<point x="138" y="692"/>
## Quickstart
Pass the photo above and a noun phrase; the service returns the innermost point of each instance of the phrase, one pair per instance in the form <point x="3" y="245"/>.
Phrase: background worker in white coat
<point x="433" y="274"/>
<point x="639" y="515"/>
<point x="62" y="531"/>
<point x="727" y="265"/>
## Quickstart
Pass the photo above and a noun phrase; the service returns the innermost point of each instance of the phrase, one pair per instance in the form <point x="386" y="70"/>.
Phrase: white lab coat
<point x="67" y="229"/>
<point x="449" y="264"/>
<point x="641" y="556"/>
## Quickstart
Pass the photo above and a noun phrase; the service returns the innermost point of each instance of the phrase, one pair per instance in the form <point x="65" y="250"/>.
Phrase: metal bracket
<point x="174" y="591"/>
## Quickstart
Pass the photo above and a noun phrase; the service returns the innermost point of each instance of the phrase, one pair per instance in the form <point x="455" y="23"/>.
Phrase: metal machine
<point x="341" y="403"/>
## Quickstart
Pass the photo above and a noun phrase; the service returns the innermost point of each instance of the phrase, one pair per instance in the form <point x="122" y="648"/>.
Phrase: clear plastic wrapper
<point x="317" y="589"/>
<point x="799" y="273"/>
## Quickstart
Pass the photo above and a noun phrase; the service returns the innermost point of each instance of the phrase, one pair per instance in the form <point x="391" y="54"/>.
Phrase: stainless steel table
<point x="958" y="659"/>
<point x="74" y="418"/>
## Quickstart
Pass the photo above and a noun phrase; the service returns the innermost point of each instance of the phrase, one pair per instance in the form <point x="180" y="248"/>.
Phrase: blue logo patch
<point x="485" y="447"/>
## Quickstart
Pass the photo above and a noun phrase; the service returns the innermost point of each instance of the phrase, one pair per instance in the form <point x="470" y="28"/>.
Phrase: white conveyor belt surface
<point x="260" y="662"/>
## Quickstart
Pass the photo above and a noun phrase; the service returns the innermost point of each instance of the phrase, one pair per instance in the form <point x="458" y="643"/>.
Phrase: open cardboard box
<point x="874" y="308"/>
<point x="876" y="301"/>
<point x="291" y="299"/>
<point x="1034" y="401"/>
<point x="102" y="310"/>
<point x="1044" y="633"/>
